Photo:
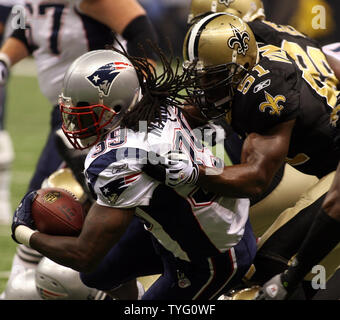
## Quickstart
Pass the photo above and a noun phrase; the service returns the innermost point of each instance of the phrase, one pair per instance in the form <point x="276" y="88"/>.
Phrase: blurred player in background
<point x="6" y="148"/>
<point x="56" y="34"/>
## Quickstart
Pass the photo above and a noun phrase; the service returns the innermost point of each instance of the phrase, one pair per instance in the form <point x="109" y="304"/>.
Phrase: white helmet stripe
<point x="193" y="39"/>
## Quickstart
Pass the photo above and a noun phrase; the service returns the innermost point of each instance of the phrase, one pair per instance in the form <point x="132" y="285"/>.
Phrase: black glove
<point x="22" y="214"/>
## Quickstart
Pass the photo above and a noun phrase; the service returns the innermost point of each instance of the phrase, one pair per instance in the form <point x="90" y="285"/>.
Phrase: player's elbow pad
<point x="138" y="33"/>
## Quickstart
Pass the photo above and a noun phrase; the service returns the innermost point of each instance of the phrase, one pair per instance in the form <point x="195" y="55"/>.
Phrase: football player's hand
<point x="3" y="73"/>
<point x="174" y="169"/>
<point x="272" y="290"/>
<point x="22" y="214"/>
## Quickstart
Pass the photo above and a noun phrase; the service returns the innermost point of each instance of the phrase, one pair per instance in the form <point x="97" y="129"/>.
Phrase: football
<point x="56" y="211"/>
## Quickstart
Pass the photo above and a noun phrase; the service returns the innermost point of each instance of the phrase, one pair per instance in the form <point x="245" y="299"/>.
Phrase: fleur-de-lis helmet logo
<point x="226" y="2"/>
<point x="240" y="40"/>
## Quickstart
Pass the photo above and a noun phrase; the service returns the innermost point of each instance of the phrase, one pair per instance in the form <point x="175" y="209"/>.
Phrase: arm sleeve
<point x="138" y="33"/>
<point x="274" y="98"/>
<point x="20" y="35"/>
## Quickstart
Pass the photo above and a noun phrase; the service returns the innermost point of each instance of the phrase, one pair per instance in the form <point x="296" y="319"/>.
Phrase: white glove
<point x="174" y="168"/>
<point x="180" y="169"/>
<point x="273" y="290"/>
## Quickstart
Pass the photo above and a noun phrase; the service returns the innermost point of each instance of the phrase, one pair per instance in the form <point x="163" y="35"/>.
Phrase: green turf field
<point x="27" y="119"/>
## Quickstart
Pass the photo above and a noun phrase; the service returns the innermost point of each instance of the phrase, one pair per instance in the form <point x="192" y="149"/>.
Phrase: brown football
<point x="57" y="212"/>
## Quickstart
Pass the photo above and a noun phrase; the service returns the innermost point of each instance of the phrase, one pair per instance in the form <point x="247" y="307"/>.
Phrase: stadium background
<point x="27" y="115"/>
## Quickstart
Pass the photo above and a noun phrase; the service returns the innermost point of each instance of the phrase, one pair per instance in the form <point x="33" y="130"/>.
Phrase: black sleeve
<point x="4" y="13"/>
<point x="20" y="35"/>
<point x="272" y="99"/>
<point x="138" y="33"/>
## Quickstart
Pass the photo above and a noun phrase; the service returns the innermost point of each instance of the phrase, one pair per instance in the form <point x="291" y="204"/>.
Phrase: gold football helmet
<point x="218" y="52"/>
<point x="248" y="10"/>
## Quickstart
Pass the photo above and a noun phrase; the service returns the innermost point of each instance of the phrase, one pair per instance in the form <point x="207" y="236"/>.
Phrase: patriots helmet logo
<point x="103" y="77"/>
<point x="239" y="39"/>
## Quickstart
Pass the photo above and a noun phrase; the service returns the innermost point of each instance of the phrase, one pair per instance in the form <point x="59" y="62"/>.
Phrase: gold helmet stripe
<point x="193" y="39"/>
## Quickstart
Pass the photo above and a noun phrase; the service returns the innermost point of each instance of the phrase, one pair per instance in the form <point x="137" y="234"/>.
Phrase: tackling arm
<point x="102" y="229"/>
<point x="262" y="156"/>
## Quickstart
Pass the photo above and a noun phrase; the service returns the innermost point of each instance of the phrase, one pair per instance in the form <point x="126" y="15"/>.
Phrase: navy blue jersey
<point x="306" y="53"/>
<point x="275" y="92"/>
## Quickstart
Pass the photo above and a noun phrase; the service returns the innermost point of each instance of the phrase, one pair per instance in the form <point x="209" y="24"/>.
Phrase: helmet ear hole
<point x="117" y="108"/>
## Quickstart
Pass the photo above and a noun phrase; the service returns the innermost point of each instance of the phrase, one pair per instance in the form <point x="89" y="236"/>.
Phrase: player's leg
<point x="285" y="194"/>
<point x="322" y="237"/>
<point x="6" y="159"/>
<point x="281" y="241"/>
<point x="50" y="159"/>
<point x="206" y="279"/>
<point x="24" y="260"/>
<point x="73" y="158"/>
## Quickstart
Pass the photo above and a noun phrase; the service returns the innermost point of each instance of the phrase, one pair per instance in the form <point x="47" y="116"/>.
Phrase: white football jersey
<point x="188" y="221"/>
<point x="12" y="15"/>
<point x="59" y="34"/>
<point x="11" y="3"/>
<point x="332" y="49"/>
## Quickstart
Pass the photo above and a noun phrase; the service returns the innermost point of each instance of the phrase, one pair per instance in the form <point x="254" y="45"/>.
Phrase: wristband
<point x="23" y="234"/>
<point x="5" y="58"/>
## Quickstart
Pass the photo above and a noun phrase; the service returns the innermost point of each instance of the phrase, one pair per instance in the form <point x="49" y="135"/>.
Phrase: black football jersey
<point x="306" y="53"/>
<point x="274" y="92"/>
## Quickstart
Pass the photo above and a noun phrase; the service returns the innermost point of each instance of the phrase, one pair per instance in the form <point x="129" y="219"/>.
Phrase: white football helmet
<point x="99" y="88"/>
<point x="22" y="287"/>
<point x="57" y="282"/>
